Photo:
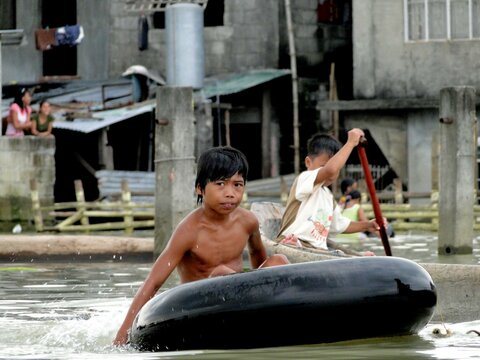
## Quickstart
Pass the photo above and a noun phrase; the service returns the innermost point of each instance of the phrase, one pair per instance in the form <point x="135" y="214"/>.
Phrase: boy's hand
<point x="354" y="136"/>
<point x="121" y="339"/>
<point x="375" y="228"/>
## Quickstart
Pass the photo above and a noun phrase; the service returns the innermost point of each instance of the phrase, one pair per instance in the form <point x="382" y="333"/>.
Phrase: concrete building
<point x="237" y="43"/>
<point x="388" y="68"/>
<point x="404" y="53"/>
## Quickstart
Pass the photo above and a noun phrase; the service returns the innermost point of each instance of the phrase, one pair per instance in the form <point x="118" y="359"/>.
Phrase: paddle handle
<point x="373" y="197"/>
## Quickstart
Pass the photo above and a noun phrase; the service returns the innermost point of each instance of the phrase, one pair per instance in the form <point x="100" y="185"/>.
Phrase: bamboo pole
<point x="109" y="226"/>
<point x="293" y="67"/>
<point x="81" y="201"/>
<point x="127" y="199"/>
<point x="333" y="95"/>
<point x="70" y="220"/>
<point x="227" y="127"/>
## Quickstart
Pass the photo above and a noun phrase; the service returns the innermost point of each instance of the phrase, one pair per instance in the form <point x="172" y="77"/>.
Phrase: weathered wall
<point x="246" y="40"/>
<point x="92" y="52"/>
<point x="405" y="138"/>
<point x="390" y="133"/>
<point x="387" y="67"/>
<point x="22" y="159"/>
<point x="23" y="63"/>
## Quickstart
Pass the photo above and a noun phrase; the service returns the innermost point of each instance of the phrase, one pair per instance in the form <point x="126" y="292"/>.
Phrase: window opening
<point x="441" y="20"/>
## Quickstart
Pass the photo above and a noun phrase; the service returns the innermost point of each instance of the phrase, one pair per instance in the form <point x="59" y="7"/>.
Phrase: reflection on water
<point x="73" y="310"/>
<point x="418" y="247"/>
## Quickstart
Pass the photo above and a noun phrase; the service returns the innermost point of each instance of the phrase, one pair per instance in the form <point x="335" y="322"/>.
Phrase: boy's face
<point x="314" y="162"/>
<point x="223" y="196"/>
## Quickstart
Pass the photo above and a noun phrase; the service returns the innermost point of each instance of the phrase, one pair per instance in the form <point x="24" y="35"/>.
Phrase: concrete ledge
<point x="78" y="247"/>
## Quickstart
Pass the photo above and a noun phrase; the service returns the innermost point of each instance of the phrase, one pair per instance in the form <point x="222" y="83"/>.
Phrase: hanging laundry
<point x="69" y="35"/>
<point x="45" y="39"/>
<point x="143" y="33"/>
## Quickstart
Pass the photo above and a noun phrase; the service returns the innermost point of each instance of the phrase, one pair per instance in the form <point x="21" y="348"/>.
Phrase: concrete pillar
<point x="457" y="170"/>
<point x="174" y="161"/>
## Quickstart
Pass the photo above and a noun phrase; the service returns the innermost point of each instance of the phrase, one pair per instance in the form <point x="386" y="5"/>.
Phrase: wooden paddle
<point x="373" y="196"/>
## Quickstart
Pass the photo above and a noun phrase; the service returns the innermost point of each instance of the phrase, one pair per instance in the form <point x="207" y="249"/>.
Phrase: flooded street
<point x="73" y="309"/>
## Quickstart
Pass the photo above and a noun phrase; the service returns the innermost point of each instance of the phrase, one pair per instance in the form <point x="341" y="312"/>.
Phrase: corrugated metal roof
<point x="79" y="92"/>
<point x="236" y="82"/>
<point x="105" y="118"/>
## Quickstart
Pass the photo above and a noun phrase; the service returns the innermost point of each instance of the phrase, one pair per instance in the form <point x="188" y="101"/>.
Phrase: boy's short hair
<point x="319" y="144"/>
<point x="217" y="163"/>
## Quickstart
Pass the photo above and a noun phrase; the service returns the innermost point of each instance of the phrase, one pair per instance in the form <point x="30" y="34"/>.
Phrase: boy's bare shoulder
<point x="247" y="215"/>
<point x="192" y="219"/>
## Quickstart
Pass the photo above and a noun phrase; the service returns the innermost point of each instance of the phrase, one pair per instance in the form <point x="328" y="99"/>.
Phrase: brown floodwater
<point x="72" y="310"/>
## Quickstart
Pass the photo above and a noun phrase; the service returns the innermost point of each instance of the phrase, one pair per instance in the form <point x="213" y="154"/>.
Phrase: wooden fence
<point x="124" y="214"/>
<point x="83" y="216"/>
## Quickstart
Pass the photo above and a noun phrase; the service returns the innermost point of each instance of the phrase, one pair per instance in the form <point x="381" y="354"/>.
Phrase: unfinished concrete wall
<point x="390" y="133"/>
<point x="385" y="66"/>
<point x="23" y="63"/>
<point x="246" y="41"/>
<point x="92" y="52"/>
<point x="22" y="159"/>
<point x="406" y="139"/>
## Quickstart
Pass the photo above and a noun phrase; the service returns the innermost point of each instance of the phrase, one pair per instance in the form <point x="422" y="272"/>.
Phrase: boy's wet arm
<point x="256" y="249"/>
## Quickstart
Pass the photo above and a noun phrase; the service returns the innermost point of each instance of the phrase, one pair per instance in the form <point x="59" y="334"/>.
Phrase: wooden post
<point x="37" y="213"/>
<point x="284" y="190"/>
<point x="334" y="116"/>
<point x="174" y="161"/>
<point x="127" y="200"/>
<point x="227" y="127"/>
<point x="457" y="160"/>
<point x="81" y="207"/>
<point x="266" y="134"/>
<point x="398" y="191"/>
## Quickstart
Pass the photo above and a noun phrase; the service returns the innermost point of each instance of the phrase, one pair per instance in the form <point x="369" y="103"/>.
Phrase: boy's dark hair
<point x="322" y="144"/>
<point x="218" y="163"/>
<point x="346" y="183"/>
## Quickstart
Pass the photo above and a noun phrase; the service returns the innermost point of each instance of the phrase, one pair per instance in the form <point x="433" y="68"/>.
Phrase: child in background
<point x="346" y="186"/>
<point x="311" y="213"/>
<point x="354" y="211"/>
<point x="42" y="122"/>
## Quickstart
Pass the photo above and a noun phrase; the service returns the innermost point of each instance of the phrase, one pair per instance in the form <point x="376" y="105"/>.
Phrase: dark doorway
<point x="60" y="60"/>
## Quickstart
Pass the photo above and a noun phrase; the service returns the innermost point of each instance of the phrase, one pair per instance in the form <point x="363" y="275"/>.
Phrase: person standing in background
<point x="19" y="115"/>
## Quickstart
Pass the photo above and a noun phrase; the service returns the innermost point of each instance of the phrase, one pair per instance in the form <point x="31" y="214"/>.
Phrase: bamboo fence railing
<point x="77" y="216"/>
<point x="83" y="216"/>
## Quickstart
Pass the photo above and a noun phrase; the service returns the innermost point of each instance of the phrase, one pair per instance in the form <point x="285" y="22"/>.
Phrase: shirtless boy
<point x="211" y="239"/>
